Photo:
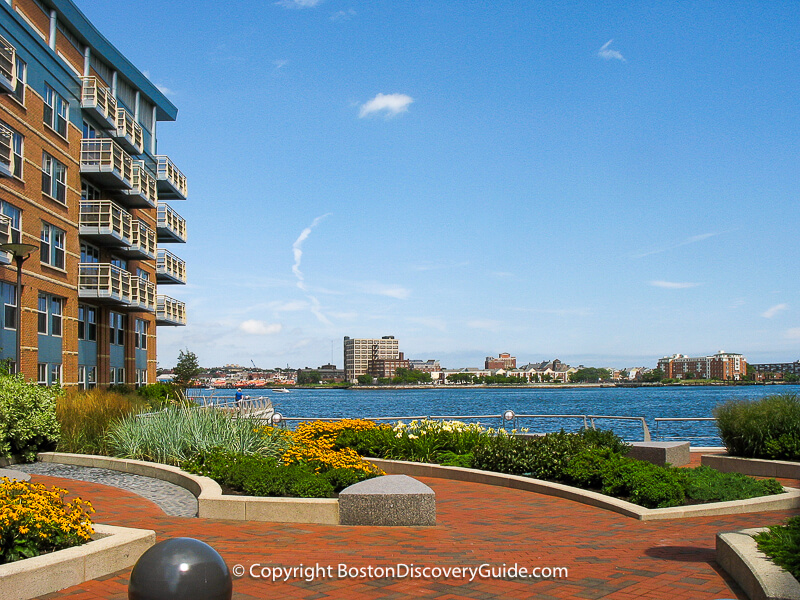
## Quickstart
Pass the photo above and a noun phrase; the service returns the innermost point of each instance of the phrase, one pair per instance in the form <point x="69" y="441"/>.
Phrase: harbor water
<point x="647" y="402"/>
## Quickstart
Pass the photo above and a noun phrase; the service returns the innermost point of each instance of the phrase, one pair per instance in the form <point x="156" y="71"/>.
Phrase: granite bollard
<point x="390" y="500"/>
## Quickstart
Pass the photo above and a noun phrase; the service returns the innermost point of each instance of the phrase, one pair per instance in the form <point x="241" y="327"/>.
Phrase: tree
<point x="590" y="374"/>
<point x="654" y="376"/>
<point x="365" y="379"/>
<point x="307" y="377"/>
<point x="187" y="368"/>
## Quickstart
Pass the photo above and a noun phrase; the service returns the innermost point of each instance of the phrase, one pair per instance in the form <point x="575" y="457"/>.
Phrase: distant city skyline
<point x="603" y="184"/>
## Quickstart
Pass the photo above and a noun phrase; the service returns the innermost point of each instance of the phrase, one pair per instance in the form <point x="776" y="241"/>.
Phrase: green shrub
<point x="503" y="454"/>
<point x="84" y="418"/>
<point x="643" y="483"/>
<point x="451" y="459"/>
<point x="709" y="485"/>
<point x="765" y="428"/>
<point x="28" y="421"/>
<point x="586" y="469"/>
<point x="782" y="544"/>
<point x="160" y="395"/>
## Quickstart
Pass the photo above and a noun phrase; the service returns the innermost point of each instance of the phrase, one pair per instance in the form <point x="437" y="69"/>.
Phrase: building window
<point x="22" y="78"/>
<point x="9" y="306"/>
<point x="89" y="253"/>
<point x="49" y="374"/>
<point x="51" y="251"/>
<point x="119" y="262"/>
<point x="55" y="375"/>
<point x="17" y="142"/>
<point x="54" y="178"/>
<point x="42" y="322"/>
<point x="117" y="375"/>
<point x="56" y="111"/>
<point x="87" y="377"/>
<point x="141" y="377"/>
<point x="56" y="312"/>
<point x="142" y="274"/>
<point x="87" y="323"/>
<point x="116" y="329"/>
<point x="42" y="374"/>
<point x="15" y="214"/>
<point x="140" y="333"/>
<point x="89" y="192"/>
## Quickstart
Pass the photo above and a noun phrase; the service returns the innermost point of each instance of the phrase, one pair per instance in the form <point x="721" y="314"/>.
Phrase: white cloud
<point x="692" y="240"/>
<point x="343" y="15"/>
<point x="673" y="285"/>
<point x="393" y="104"/>
<point x="279" y="64"/>
<point x="255" y="327"/>
<point x="165" y="90"/>
<point x="793" y="334"/>
<point x="297" y="3"/>
<point x="774" y="310"/>
<point x="388" y="290"/>
<point x="606" y="53"/>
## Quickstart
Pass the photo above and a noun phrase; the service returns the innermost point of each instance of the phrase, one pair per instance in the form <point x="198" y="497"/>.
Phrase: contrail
<point x="297" y="251"/>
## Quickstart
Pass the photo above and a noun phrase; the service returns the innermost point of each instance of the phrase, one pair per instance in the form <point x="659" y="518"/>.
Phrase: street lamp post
<point x="19" y="252"/>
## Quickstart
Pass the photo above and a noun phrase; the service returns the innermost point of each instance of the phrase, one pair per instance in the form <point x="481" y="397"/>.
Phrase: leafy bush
<point x="258" y="475"/>
<point x="35" y="520"/>
<point x="177" y="433"/>
<point x="782" y="544"/>
<point x="85" y="417"/>
<point x="160" y="395"/>
<point x="765" y="428"/>
<point x="642" y="483"/>
<point x="451" y="459"/>
<point x="27" y="417"/>
<point x="709" y="485"/>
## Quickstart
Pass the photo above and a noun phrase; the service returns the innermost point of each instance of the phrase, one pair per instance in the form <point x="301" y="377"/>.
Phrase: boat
<point x="280" y="391"/>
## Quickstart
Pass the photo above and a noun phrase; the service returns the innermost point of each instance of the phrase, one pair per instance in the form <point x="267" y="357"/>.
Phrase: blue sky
<point x="605" y="183"/>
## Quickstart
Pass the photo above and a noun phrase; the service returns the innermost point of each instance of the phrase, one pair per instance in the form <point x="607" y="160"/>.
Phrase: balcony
<point x="5" y="238"/>
<point x="98" y="100"/>
<point x="8" y="67"/>
<point x="171" y="182"/>
<point x="105" y="163"/>
<point x="143" y="242"/>
<point x="143" y="192"/>
<point x="128" y="132"/>
<point x="169" y="268"/>
<point x="105" y="222"/>
<point x="170" y="311"/>
<point x="171" y="227"/>
<point x="104" y="282"/>
<point x="143" y="294"/>
<point x="6" y="153"/>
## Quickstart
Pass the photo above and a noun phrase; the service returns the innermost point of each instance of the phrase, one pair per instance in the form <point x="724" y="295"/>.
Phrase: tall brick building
<point x="82" y="181"/>
<point x="722" y="365"/>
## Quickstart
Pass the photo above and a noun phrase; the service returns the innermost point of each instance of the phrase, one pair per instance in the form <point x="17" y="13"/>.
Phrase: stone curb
<point x="758" y="576"/>
<point x="789" y="499"/>
<point x="211" y="502"/>
<point x="113" y="549"/>
<point x="757" y="467"/>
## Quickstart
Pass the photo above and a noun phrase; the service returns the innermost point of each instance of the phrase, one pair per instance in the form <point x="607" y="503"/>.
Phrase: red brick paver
<point x="607" y="555"/>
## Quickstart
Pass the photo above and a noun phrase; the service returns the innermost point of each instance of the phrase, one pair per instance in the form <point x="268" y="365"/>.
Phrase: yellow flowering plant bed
<point x="314" y="444"/>
<point x="35" y="520"/>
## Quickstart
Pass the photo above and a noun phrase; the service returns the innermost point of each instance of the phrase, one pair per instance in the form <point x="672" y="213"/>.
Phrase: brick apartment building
<point x="722" y="365"/>
<point x="503" y="361"/>
<point x="82" y="184"/>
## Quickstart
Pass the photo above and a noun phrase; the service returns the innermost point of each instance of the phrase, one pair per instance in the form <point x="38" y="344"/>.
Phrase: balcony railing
<point x="5" y="238"/>
<point x="128" y="132"/>
<point x="169" y="268"/>
<point x="8" y="67"/>
<point x="104" y="281"/>
<point x="143" y="192"/>
<point x="106" y="222"/>
<point x="106" y="163"/>
<point x="170" y="311"/>
<point x="143" y="241"/>
<point x="171" y="182"/>
<point x="98" y="99"/>
<point x="171" y="226"/>
<point x="143" y="294"/>
<point x="6" y="152"/>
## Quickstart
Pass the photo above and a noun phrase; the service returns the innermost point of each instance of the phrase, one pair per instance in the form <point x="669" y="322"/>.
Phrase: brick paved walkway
<point x="607" y="555"/>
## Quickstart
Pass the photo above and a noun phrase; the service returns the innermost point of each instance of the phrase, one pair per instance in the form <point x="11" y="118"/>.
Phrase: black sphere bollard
<point x="180" y="569"/>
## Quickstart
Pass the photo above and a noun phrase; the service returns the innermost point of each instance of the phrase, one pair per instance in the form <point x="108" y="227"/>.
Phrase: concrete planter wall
<point x="113" y="549"/>
<point x="756" y="467"/>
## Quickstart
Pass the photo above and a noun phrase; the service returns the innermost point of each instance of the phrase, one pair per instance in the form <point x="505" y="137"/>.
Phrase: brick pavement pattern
<point x="607" y="555"/>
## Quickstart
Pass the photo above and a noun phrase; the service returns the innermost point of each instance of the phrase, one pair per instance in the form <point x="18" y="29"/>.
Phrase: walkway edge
<point x="758" y="576"/>
<point x="115" y="548"/>
<point x="789" y="499"/>
<point x="211" y="502"/>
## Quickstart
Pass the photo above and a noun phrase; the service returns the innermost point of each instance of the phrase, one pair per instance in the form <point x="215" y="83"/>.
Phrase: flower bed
<point x="35" y="520"/>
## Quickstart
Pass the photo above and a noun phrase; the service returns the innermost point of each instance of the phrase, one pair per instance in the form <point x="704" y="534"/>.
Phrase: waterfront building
<point x="503" y="361"/>
<point x="426" y="366"/>
<point x="82" y="181"/>
<point x="387" y="367"/>
<point x="722" y="365"/>
<point x="784" y="369"/>
<point x="359" y="351"/>
<point x="548" y="370"/>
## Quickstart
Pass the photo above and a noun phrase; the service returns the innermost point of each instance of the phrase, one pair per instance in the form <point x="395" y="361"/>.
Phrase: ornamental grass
<point x="35" y="520"/>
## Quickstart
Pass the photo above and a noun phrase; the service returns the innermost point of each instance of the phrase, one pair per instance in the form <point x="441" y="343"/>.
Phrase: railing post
<point x="645" y="430"/>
